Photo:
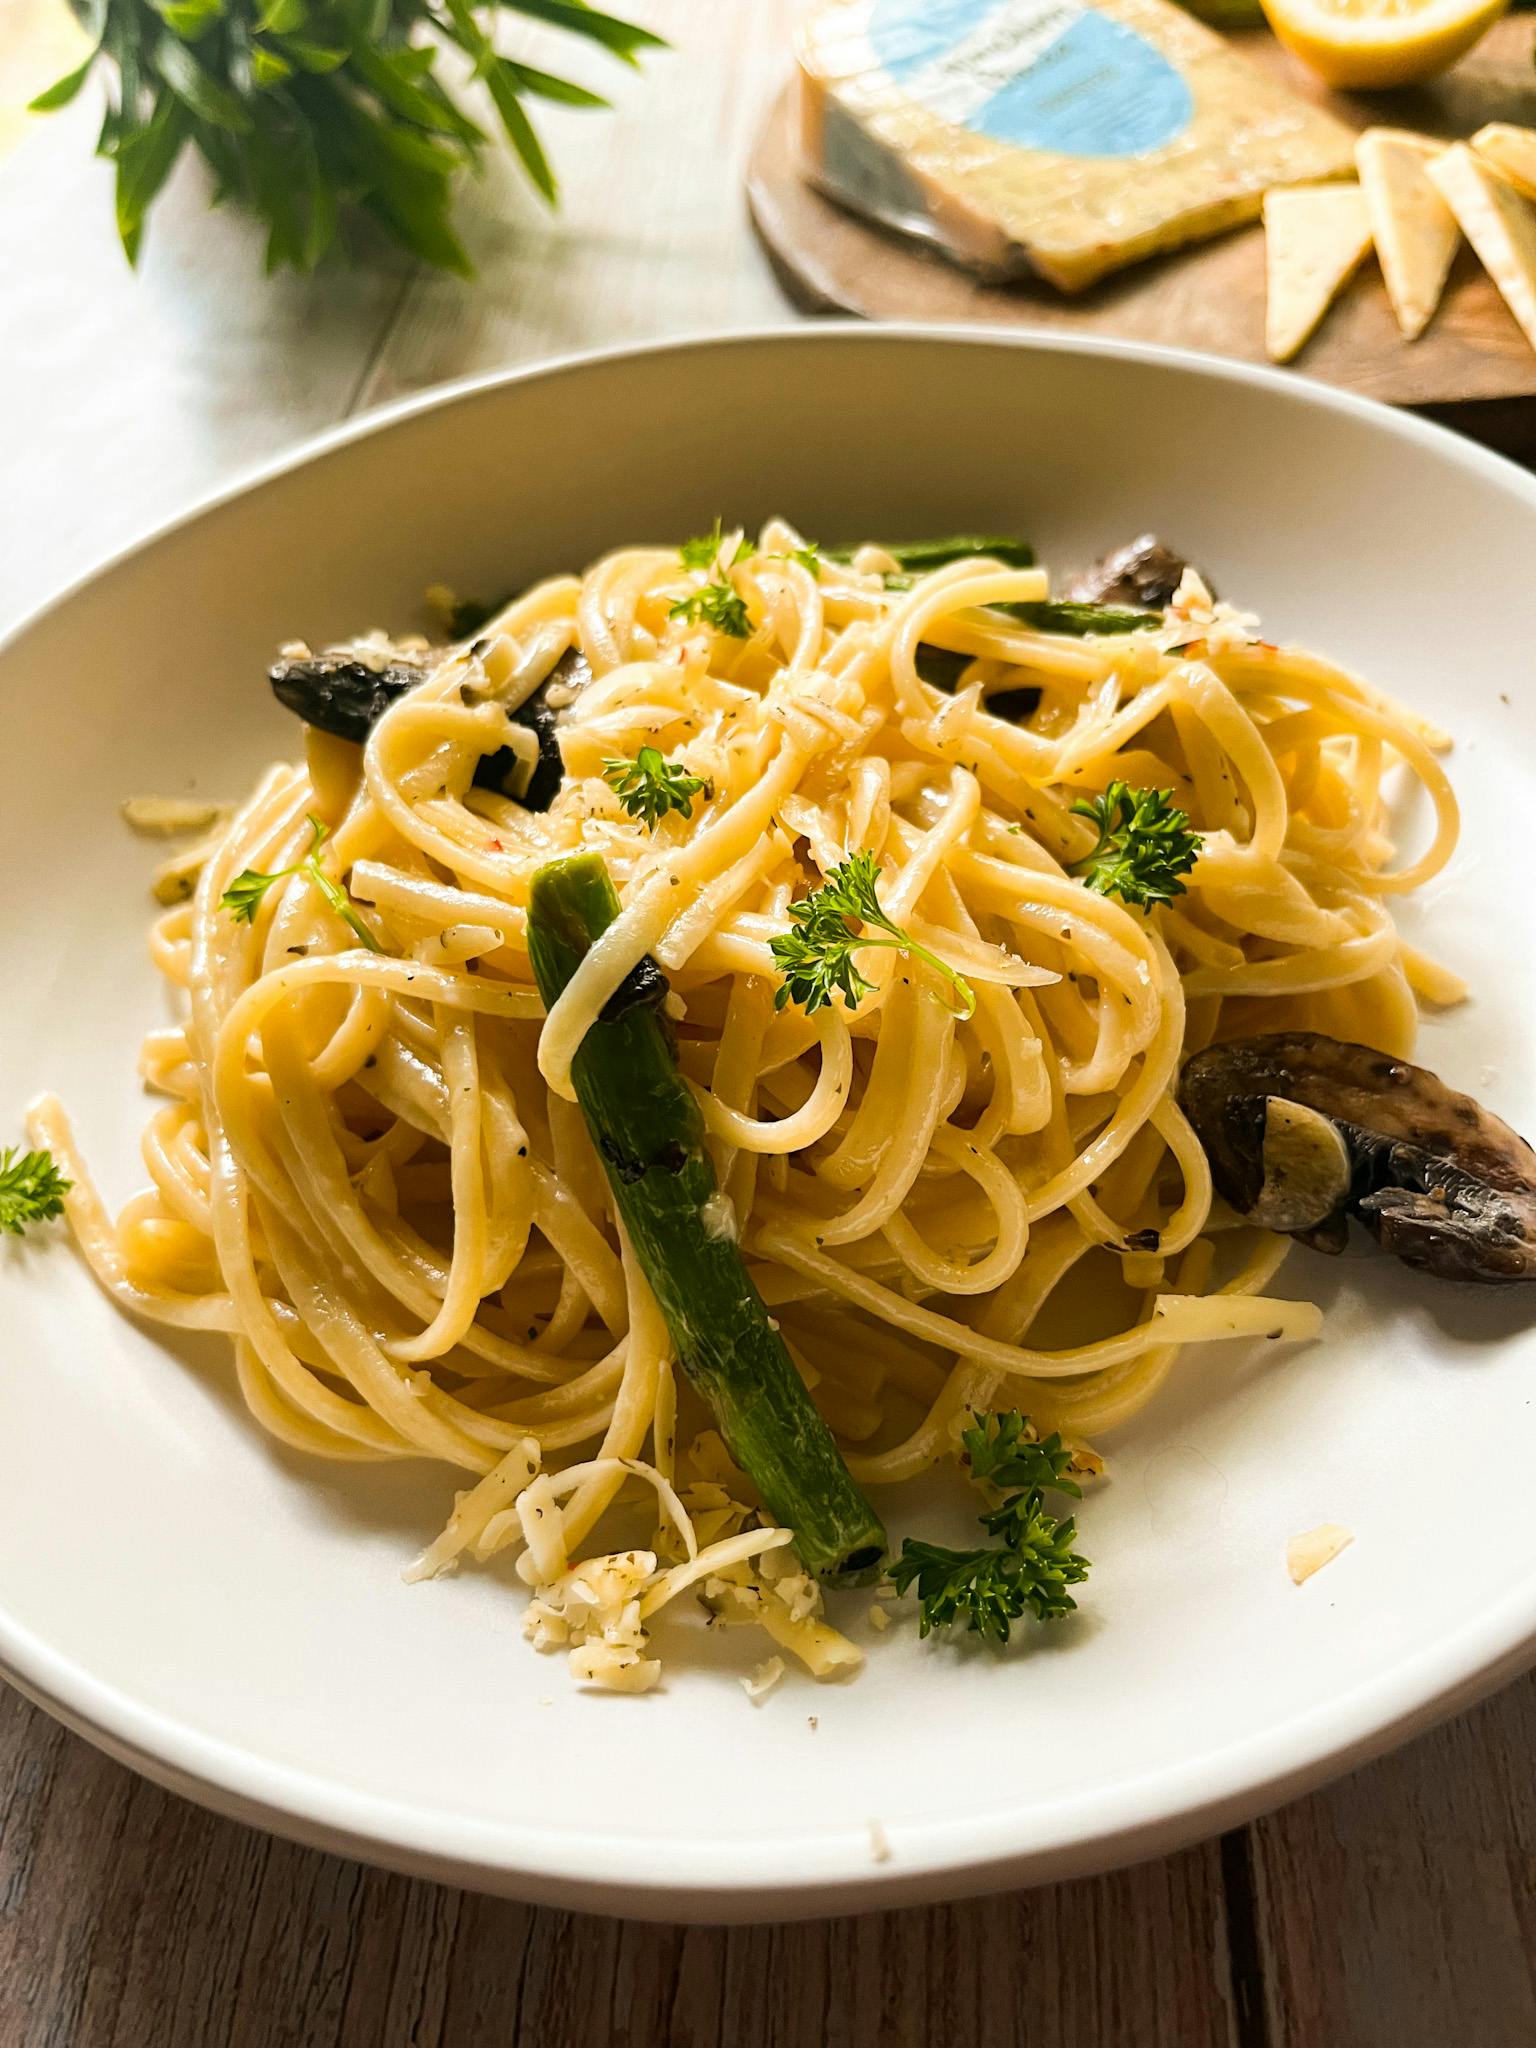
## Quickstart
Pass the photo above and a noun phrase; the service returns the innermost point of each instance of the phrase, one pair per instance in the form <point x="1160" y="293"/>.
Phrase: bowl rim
<point x="799" y="1872"/>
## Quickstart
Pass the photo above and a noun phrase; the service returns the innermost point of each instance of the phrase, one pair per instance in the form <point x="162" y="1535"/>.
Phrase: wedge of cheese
<point x="1315" y="238"/>
<point x="1047" y="136"/>
<point x="1498" y="223"/>
<point x="1510" y="150"/>
<point x="1415" y="232"/>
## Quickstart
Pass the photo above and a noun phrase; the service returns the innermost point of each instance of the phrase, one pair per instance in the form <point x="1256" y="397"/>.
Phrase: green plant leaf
<point x="396" y="86"/>
<point x="199" y="93"/>
<point x="415" y="60"/>
<point x="548" y="87"/>
<point x="321" y="236"/>
<point x="403" y="178"/>
<point x="623" y="38"/>
<point x="419" y="219"/>
<point x="269" y="67"/>
<point x="63" y="90"/>
<point x="222" y="155"/>
<point x="144" y="160"/>
<point x="520" y="130"/>
<point x="317" y="58"/>
<point x="189" y="19"/>
<point x="436" y="156"/>
<point x="270" y="157"/>
<point x="358" y="113"/>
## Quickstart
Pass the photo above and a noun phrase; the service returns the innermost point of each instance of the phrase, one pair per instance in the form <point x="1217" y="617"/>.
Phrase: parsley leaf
<point x="704" y="550"/>
<point x="717" y="605"/>
<point x="989" y="1590"/>
<point x="1146" y="845"/>
<point x="1029" y="1571"/>
<point x="649" y="787"/>
<point x="816" y="956"/>
<point x="1003" y="1453"/>
<point x="32" y="1189"/>
<point x="246" y="893"/>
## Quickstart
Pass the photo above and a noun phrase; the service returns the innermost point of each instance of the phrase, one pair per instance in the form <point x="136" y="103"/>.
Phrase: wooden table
<point x="1395" y="1910"/>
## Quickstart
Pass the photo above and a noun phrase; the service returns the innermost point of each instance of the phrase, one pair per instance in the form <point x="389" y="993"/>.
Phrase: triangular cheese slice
<point x="1414" y="230"/>
<point x="1315" y="237"/>
<point x="1498" y="223"/>
<point x="1510" y="150"/>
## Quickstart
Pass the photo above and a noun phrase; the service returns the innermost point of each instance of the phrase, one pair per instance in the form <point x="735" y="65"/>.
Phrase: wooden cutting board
<point x="1210" y="296"/>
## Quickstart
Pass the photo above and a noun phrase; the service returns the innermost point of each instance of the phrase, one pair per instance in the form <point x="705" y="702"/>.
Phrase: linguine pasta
<point x="370" y="1171"/>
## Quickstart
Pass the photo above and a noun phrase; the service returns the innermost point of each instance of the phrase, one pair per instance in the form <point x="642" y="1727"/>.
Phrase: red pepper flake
<point x="495" y="846"/>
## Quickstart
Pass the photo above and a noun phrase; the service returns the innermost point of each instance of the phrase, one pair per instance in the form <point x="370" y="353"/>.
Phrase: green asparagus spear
<point x="1059" y="615"/>
<point x="649" y="1133"/>
<point x="922" y="555"/>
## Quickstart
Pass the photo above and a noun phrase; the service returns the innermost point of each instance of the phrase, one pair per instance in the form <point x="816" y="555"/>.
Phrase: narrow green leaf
<point x="420" y="221"/>
<point x="282" y="18"/>
<point x="223" y="157"/>
<point x="396" y="87"/>
<point x="414" y="60"/>
<point x="122" y="118"/>
<point x="313" y="57"/>
<point x="400" y="176"/>
<point x="623" y="38"/>
<point x="471" y="38"/>
<point x="197" y="91"/>
<point x="434" y="156"/>
<point x="520" y="131"/>
<point x="322" y="220"/>
<point x="63" y="90"/>
<point x="144" y="161"/>
<point x="548" y="87"/>
<point x="269" y="67"/>
<point x="189" y="19"/>
<point x="270" y="156"/>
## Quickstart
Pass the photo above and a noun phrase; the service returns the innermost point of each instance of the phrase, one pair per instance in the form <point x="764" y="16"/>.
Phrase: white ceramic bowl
<point x="231" y="1619"/>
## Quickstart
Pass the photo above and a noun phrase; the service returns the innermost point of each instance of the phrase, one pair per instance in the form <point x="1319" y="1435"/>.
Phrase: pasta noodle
<point x="368" y="1172"/>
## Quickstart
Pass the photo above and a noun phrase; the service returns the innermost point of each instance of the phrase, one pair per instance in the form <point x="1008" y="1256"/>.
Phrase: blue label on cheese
<point x="1041" y="74"/>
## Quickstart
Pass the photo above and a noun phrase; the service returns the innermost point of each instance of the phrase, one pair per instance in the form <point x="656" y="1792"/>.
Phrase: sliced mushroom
<point x="1304" y="1131"/>
<point x="1143" y="572"/>
<point x="345" y="690"/>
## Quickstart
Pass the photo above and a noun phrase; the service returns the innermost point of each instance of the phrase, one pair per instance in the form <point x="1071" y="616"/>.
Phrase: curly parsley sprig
<point x="246" y="893"/>
<point x="703" y="551"/>
<point x="650" y="786"/>
<point x="816" y="955"/>
<point x="1146" y="845"/>
<point x="717" y="604"/>
<point x="32" y="1189"/>
<point x="1028" y="1572"/>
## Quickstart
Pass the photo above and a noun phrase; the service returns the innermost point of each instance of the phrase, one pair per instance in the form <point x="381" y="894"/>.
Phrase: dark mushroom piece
<point x="1143" y="572"/>
<point x="1304" y="1131"/>
<point x="344" y="692"/>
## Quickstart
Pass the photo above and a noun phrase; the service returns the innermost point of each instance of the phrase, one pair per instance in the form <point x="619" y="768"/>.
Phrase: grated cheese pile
<point x="597" y="1609"/>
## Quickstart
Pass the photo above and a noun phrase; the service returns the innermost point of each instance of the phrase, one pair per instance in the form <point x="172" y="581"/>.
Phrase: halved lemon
<point x="1380" y="42"/>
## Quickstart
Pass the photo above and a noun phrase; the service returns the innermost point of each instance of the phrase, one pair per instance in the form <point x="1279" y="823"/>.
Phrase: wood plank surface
<point x="128" y="1918"/>
<point x="1397" y="1910"/>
